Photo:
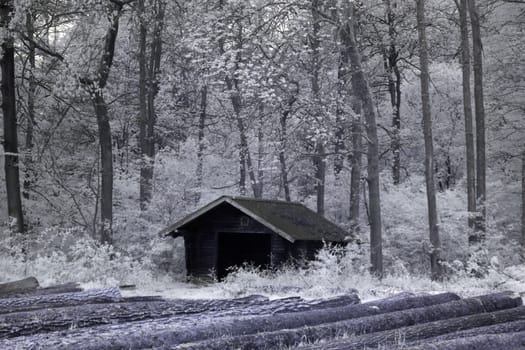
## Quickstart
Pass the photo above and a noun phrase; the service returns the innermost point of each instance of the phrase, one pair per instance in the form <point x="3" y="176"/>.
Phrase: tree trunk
<point x="242" y="171"/>
<point x="283" y="136"/>
<point x="339" y="133"/>
<point x="233" y="85"/>
<point x="435" y="244"/>
<point x="356" y="160"/>
<point x="10" y="142"/>
<point x="319" y="150"/>
<point x="320" y="175"/>
<point x="258" y="191"/>
<point x="30" y="176"/>
<point x="148" y="89"/>
<point x="394" y="89"/>
<point x="200" y="136"/>
<point x="153" y="87"/>
<point x="95" y="89"/>
<point x="479" y="107"/>
<point x="361" y="88"/>
<point x="245" y="158"/>
<point x="145" y="173"/>
<point x="523" y="203"/>
<point x="357" y="140"/>
<point x="106" y="167"/>
<point x="467" y="110"/>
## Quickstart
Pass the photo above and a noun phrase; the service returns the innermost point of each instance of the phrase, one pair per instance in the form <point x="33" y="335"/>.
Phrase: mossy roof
<point x="293" y="221"/>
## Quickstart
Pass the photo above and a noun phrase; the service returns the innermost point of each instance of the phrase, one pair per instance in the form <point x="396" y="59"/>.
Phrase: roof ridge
<point x="277" y="201"/>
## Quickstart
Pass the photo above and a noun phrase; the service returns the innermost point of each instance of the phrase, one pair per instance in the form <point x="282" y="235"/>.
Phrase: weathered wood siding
<point x="280" y="249"/>
<point x="201" y="253"/>
<point x="226" y="218"/>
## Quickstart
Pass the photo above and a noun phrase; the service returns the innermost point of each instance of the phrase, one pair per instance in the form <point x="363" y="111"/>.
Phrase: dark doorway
<point x="235" y="249"/>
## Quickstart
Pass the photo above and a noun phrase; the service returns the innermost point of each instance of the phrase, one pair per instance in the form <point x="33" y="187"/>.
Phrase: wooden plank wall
<point x="201" y="253"/>
<point x="280" y="249"/>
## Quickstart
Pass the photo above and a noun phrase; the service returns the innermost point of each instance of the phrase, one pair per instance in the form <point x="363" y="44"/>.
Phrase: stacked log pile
<point x="66" y="317"/>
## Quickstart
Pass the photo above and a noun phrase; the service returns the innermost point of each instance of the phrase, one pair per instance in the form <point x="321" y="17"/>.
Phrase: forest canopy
<point x="400" y="120"/>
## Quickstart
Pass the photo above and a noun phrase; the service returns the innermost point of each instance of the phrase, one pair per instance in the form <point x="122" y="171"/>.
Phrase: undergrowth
<point x="345" y="270"/>
<point x="57" y="256"/>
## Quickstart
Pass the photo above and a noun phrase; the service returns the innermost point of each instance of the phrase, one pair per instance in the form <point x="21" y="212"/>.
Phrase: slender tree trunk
<point x="106" y="164"/>
<point x="477" y="55"/>
<point x="435" y="249"/>
<point x="283" y="136"/>
<point x="201" y="147"/>
<point x="355" y="156"/>
<point x="11" y="156"/>
<point x="153" y="84"/>
<point x="236" y="104"/>
<point x="242" y="156"/>
<point x="95" y="89"/>
<point x="148" y="89"/>
<point x="320" y="175"/>
<point x="356" y="162"/>
<point x="467" y="110"/>
<point x="233" y="86"/>
<point x="523" y="203"/>
<point x="361" y="87"/>
<point x="339" y="144"/>
<point x="258" y="193"/>
<point x="394" y="89"/>
<point x="245" y="159"/>
<point x="29" y="176"/>
<point x="145" y="179"/>
<point x="319" y="157"/>
<point x="396" y="128"/>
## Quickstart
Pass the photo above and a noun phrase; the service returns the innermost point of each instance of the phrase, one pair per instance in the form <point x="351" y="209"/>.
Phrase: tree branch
<point x="42" y="48"/>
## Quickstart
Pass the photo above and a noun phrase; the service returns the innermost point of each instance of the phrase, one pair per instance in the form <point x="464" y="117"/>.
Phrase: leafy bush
<point x="64" y="255"/>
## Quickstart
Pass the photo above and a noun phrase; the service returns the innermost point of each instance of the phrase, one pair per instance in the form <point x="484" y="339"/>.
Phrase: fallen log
<point x="507" y="327"/>
<point x="368" y="325"/>
<point x="507" y="341"/>
<point x="341" y="300"/>
<point x="55" y="289"/>
<point x="496" y="328"/>
<point x="142" y="298"/>
<point x="25" y="285"/>
<point x="56" y="300"/>
<point x="495" y="322"/>
<point x="295" y="304"/>
<point x="128" y="310"/>
<point x="44" y="320"/>
<point x="174" y="331"/>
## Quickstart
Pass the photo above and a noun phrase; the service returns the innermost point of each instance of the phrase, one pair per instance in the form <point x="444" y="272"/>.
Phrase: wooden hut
<point x="231" y="231"/>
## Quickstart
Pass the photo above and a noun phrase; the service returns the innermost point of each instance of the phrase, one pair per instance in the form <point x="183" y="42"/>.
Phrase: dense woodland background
<point x="120" y="117"/>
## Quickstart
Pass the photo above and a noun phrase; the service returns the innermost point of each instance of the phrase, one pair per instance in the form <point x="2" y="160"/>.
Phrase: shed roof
<point x="293" y="221"/>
